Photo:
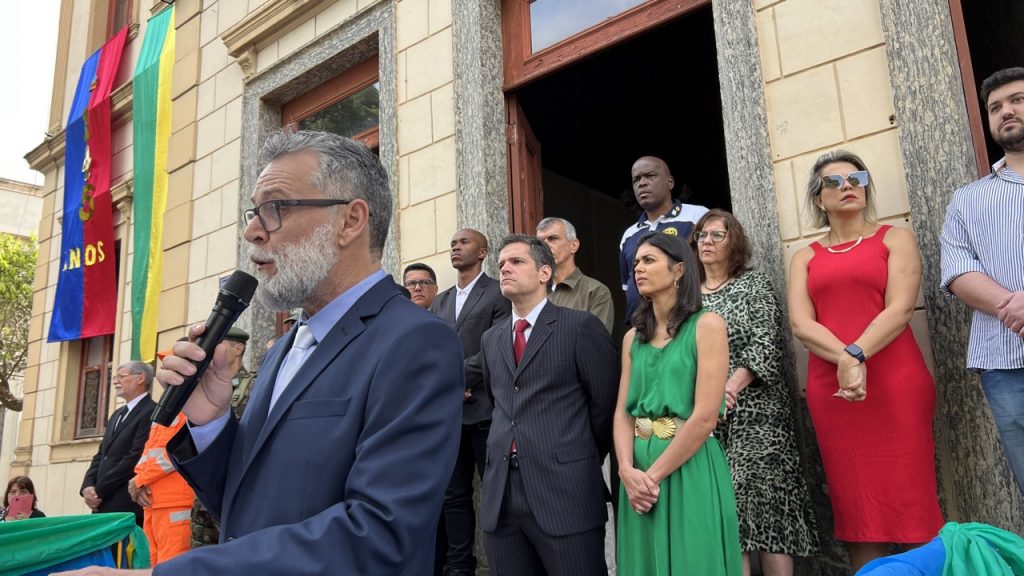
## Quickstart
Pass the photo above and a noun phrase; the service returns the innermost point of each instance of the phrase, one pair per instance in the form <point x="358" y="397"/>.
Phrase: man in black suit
<point x="472" y="306"/>
<point x="105" y="487"/>
<point x="553" y="375"/>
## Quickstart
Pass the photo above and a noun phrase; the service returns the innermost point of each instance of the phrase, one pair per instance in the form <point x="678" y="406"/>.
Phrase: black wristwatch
<point x="855" y="351"/>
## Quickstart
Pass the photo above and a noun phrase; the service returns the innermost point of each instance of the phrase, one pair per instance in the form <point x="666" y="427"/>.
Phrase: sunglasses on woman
<point x="858" y="178"/>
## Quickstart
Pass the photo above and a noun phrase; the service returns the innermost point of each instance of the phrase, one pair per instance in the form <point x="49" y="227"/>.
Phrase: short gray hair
<point x="348" y="170"/>
<point x="570" y="230"/>
<point x="818" y="216"/>
<point x="136" y="367"/>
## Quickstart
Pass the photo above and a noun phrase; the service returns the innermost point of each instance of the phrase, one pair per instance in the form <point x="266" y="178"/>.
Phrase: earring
<point x="677" y="282"/>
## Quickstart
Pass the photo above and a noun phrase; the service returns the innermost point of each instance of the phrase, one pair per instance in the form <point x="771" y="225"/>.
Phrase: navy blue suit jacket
<point x="347" y="473"/>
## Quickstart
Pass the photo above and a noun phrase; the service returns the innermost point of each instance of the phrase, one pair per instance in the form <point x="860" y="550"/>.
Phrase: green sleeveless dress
<point x="693" y="528"/>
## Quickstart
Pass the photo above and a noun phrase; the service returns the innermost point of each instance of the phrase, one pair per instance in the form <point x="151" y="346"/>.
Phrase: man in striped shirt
<point x="983" y="264"/>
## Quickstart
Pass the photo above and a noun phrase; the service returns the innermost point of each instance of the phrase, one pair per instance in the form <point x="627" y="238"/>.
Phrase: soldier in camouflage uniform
<point x="205" y="530"/>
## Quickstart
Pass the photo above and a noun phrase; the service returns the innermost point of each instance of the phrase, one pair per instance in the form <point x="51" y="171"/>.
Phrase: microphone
<point x="232" y="300"/>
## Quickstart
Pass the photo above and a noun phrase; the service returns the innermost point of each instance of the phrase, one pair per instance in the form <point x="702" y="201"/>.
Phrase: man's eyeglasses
<point x="858" y="178"/>
<point x="269" y="212"/>
<point x="411" y="284"/>
<point x="713" y="236"/>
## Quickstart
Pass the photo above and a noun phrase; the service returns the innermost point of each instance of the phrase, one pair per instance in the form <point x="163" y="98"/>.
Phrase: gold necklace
<point x="860" y="238"/>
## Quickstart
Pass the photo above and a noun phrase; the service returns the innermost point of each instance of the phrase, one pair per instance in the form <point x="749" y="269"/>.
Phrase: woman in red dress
<point x="871" y="398"/>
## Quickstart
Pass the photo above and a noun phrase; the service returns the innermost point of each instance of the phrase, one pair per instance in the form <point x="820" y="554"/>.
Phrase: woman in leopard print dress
<point x="775" y="514"/>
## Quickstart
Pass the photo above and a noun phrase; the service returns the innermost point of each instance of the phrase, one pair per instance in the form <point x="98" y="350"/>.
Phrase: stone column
<point x="935" y="143"/>
<point x="481" y="149"/>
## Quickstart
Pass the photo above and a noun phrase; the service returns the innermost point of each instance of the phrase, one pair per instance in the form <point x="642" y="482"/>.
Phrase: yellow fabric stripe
<point x="147" y="342"/>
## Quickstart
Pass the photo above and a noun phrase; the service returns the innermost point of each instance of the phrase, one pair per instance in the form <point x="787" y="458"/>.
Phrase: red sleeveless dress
<point x="879" y="454"/>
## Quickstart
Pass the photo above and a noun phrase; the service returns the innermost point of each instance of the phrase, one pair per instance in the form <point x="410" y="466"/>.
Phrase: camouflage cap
<point x="236" y="334"/>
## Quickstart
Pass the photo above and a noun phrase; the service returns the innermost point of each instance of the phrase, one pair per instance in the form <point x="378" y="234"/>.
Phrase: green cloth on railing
<point x="34" y="544"/>
<point x="979" y="549"/>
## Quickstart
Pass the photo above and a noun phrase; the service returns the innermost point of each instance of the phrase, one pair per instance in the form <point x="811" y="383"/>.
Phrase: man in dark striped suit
<point x="552" y="373"/>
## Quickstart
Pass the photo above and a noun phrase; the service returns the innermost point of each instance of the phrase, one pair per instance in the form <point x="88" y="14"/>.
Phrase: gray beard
<point x="301" y="268"/>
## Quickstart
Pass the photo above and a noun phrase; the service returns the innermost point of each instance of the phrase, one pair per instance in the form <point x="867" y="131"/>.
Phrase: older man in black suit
<point x="105" y="486"/>
<point x="553" y="375"/>
<point x="472" y="306"/>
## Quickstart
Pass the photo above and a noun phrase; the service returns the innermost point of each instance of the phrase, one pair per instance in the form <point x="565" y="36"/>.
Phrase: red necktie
<point x="519" y="344"/>
<point x="518" y="347"/>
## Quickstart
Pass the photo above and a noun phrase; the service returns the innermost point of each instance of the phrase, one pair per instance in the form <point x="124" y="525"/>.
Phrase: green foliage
<point x="17" y="267"/>
<point x="351" y="116"/>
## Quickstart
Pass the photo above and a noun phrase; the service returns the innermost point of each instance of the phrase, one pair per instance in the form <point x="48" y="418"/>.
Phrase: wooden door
<point x="526" y="194"/>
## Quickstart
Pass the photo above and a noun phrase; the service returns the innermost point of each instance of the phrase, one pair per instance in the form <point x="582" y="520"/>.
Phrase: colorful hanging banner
<point x="151" y="113"/>
<point x="86" y="299"/>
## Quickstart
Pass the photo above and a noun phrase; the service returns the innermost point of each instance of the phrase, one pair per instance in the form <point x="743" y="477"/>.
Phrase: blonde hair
<point x="816" y="214"/>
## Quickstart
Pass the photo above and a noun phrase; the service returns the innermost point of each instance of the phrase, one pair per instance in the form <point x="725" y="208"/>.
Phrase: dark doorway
<point x="993" y="29"/>
<point x="656" y="94"/>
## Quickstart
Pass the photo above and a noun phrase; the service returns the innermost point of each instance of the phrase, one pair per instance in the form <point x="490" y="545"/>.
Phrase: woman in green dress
<point x="677" y="512"/>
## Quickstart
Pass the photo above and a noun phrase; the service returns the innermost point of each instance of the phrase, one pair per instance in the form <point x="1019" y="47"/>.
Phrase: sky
<point x="28" y="47"/>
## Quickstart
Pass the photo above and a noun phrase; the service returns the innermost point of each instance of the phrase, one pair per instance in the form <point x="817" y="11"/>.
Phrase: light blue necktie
<point x="304" y="344"/>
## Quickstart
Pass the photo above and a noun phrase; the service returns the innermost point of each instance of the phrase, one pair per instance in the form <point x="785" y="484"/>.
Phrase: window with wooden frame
<point x="93" y="378"/>
<point x="348" y="105"/>
<point x="543" y="35"/>
<point x="119" y="15"/>
<point x="94" y="386"/>
<point x="974" y="106"/>
<point x="987" y="37"/>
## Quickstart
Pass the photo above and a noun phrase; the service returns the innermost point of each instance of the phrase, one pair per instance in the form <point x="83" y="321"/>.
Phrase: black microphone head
<point x="241" y="285"/>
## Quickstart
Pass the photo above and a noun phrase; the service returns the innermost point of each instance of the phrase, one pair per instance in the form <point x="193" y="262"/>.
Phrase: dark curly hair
<point x="688" y="298"/>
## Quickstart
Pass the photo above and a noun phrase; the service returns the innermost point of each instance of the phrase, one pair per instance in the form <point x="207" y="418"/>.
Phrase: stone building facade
<point x="787" y="79"/>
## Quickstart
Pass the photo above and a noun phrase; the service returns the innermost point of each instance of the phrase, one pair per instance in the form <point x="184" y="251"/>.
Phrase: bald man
<point x="472" y="306"/>
<point x="652" y="187"/>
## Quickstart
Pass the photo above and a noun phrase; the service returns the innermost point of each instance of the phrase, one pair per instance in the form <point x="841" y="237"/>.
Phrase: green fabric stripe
<point x="144" y="108"/>
<point x="34" y="544"/>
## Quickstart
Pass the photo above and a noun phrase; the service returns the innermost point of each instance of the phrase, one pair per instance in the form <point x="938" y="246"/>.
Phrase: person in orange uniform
<point x="165" y="497"/>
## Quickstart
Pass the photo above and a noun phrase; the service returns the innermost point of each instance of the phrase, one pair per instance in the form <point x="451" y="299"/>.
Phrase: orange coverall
<point x="166" y="521"/>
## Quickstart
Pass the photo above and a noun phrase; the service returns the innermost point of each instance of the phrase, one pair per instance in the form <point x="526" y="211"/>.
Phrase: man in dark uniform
<point x="205" y="530"/>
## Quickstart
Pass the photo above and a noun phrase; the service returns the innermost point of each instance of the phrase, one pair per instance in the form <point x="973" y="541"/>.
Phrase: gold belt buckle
<point x="664" y="427"/>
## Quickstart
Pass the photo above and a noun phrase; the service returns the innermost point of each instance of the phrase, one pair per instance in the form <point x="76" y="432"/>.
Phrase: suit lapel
<point x="344" y="331"/>
<point x="255" y="414"/>
<point x="112" y="423"/>
<point x="538" y="334"/>
<point x="447" y="308"/>
<point x="472" y="299"/>
<point x="505" y="339"/>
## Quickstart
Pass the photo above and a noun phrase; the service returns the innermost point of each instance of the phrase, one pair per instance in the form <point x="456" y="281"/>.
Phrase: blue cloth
<point x="1004" y="390"/>
<point x="926" y="560"/>
<point x="97" y="558"/>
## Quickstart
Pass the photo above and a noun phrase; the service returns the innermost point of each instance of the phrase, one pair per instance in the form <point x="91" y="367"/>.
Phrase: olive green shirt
<point x="581" y="292"/>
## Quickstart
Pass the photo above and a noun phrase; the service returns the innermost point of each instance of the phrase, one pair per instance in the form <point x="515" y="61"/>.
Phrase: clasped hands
<point x="641" y="489"/>
<point x="141" y="495"/>
<point x="853" y="379"/>
<point x="1011" y="312"/>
